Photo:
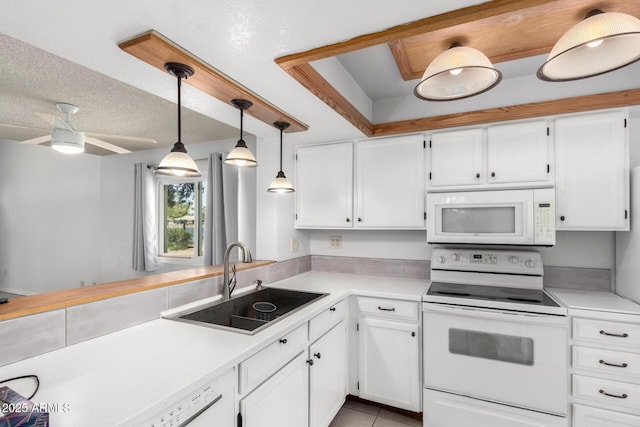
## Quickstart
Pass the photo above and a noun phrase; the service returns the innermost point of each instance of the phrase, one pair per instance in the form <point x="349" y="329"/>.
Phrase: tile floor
<point x="359" y="414"/>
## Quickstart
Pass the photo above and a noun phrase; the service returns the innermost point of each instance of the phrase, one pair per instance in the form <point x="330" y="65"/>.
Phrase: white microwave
<point x="497" y="217"/>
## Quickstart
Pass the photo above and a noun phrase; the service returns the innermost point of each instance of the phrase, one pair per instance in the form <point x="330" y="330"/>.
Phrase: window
<point x="181" y="217"/>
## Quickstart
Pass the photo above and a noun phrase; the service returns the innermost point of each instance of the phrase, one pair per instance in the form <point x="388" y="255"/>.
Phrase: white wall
<point x="49" y="218"/>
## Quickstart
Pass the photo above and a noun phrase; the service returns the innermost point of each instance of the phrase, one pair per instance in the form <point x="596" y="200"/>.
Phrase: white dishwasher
<point x="206" y="403"/>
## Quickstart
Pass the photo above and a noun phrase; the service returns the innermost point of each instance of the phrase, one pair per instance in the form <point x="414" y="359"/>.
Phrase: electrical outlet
<point x="295" y="244"/>
<point x="335" y="242"/>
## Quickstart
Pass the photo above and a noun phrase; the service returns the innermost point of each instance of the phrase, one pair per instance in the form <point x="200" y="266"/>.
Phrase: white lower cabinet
<point x="584" y="416"/>
<point x="281" y="401"/>
<point x="389" y="357"/>
<point x="327" y="376"/>
<point x="447" y="409"/>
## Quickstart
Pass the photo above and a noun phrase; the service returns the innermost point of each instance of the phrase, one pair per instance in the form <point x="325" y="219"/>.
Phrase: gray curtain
<point x="221" y="215"/>
<point x="145" y="241"/>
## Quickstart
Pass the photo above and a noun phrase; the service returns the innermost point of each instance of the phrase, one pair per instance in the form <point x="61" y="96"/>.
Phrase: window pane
<point x="179" y="219"/>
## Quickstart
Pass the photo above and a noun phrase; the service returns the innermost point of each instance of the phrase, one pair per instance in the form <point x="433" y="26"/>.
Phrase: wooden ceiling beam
<point x="578" y="104"/>
<point x="156" y="50"/>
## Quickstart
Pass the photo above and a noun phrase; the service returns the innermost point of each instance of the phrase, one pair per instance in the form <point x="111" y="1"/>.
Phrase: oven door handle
<point x="495" y="314"/>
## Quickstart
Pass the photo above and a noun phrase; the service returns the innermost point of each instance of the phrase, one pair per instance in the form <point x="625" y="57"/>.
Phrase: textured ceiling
<point x="33" y="81"/>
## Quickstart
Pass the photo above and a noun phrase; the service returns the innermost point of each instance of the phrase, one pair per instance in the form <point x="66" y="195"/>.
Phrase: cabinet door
<point x="518" y="153"/>
<point x="327" y="376"/>
<point x="456" y="158"/>
<point x="585" y="416"/>
<point x="389" y="363"/>
<point x="592" y="176"/>
<point x="282" y="400"/>
<point x="324" y="186"/>
<point x="390" y="183"/>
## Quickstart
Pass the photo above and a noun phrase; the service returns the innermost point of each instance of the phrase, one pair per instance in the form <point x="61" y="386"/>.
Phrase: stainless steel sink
<point x="251" y="312"/>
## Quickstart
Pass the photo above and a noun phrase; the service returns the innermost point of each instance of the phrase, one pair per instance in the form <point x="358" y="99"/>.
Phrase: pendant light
<point x="178" y="162"/>
<point x="458" y="72"/>
<point x="600" y="43"/>
<point x="241" y="156"/>
<point x="281" y="184"/>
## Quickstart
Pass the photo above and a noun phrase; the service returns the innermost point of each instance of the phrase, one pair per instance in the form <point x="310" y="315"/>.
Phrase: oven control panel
<point x="494" y="261"/>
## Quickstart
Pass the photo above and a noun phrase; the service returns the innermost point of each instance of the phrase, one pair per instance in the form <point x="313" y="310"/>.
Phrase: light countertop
<point x="106" y="380"/>
<point x="594" y="303"/>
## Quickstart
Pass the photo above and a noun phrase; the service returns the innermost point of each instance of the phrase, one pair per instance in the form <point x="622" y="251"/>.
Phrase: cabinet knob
<point x="348" y="219"/>
<point x="561" y="217"/>
<point x="478" y="175"/>
<point x="359" y="219"/>
<point x="332" y="309"/>
<point x="317" y="355"/>
<point x="413" y="334"/>
<point x="493" y="174"/>
<point x="310" y="362"/>
<point x="283" y="341"/>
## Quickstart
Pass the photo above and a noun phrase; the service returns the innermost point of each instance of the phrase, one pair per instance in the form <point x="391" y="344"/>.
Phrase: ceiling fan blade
<point x="38" y="140"/>
<point x="107" y="146"/>
<point x="25" y="127"/>
<point x="121" y="137"/>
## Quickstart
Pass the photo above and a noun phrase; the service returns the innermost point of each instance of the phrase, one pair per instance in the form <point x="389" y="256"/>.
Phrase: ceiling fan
<point x="66" y="139"/>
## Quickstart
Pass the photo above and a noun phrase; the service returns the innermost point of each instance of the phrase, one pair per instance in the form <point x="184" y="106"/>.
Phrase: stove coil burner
<point x="264" y="310"/>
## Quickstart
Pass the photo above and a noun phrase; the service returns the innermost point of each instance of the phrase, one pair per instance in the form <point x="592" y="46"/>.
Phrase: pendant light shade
<point x="600" y="43"/>
<point x="241" y="156"/>
<point x="281" y="184"/>
<point x="457" y="73"/>
<point x="178" y="162"/>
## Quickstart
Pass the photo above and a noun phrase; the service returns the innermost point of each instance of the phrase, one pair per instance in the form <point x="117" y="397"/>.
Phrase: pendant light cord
<point x="179" y="110"/>
<point x="281" y="130"/>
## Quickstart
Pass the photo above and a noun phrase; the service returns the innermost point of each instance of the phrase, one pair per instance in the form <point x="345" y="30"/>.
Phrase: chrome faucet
<point x="246" y="257"/>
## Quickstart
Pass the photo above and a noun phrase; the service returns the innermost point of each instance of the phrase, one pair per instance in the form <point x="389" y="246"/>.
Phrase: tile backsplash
<point x="55" y="329"/>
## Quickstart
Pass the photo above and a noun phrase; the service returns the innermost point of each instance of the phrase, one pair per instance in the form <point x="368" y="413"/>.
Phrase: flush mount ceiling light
<point x="178" y="162"/>
<point x="600" y="43"/>
<point x="67" y="140"/>
<point x="458" y="72"/>
<point x="241" y="156"/>
<point x="281" y="184"/>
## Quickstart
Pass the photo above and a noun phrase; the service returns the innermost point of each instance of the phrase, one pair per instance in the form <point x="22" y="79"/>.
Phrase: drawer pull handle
<point x="624" y="365"/>
<point x="283" y="341"/>
<point x="617" y="396"/>
<point x="332" y="309"/>
<point x="625" y="335"/>
<point x="386" y="309"/>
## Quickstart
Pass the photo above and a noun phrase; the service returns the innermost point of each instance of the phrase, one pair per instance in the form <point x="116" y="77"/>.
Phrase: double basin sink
<point x="251" y="312"/>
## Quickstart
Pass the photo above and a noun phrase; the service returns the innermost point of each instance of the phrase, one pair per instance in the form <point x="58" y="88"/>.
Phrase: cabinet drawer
<point x="607" y="362"/>
<point x="389" y="308"/>
<point x="605" y="332"/>
<point x="325" y="320"/>
<point x="584" y="416"/>
<point x="263" y="364"/>
<point x="608" y="393"/>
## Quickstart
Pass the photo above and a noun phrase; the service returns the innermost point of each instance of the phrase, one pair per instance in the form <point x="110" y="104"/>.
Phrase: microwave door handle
<point x="529" y="218"/>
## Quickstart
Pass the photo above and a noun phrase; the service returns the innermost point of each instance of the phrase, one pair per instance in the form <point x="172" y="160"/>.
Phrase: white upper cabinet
<point x="592" y="177"/>
<point x="456" y="158"/>
<point x="390" y="183"/>
<point x="498" y="156"/>
<point x="518" y="153"/>
<point x="384" y="187"/>
<point x="324" y="186"/>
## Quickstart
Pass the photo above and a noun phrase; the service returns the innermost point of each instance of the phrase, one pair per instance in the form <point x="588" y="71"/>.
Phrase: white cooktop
<point x="594" y="300"/>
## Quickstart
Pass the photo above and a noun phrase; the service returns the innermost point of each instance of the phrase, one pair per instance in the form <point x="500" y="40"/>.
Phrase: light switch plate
<point x="335" y="242"/>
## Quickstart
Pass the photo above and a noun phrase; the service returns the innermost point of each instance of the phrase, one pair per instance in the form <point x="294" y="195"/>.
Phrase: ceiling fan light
<point x="457" y="73"/>
<point x="600" y="43"/>
<point x="280" y="184"/>
<point x="67" y="141"/>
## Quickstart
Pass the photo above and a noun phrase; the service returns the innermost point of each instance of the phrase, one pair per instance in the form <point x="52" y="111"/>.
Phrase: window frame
<point x="164" y="257"/>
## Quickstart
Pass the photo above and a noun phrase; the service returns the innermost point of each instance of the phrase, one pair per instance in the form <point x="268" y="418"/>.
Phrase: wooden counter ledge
<point x="39" y="303"/>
